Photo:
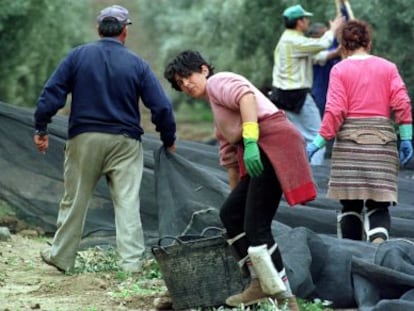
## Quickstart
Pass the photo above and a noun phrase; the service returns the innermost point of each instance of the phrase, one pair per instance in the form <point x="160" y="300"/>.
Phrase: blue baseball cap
<point x="295" y="12"/>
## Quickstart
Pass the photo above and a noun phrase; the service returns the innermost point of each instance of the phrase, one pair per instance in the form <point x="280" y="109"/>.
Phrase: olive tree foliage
<point x="34" y="36"/>
<point x="393" y="34"/>
<point x="392" y="24"/>
<point x="235" y="35"/>
<point x="240" y="35"/>
<point x="223" y="31"/>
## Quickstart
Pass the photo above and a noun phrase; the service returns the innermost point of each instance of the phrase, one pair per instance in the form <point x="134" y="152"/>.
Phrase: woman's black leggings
<point x="377" y="215"/>
<point x="250" y="208"/>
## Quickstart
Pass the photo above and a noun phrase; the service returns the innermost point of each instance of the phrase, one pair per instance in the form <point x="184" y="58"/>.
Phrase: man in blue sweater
<point x="106" y="81"/>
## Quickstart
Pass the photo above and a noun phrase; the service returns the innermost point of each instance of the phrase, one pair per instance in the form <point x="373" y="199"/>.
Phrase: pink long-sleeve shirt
<point x="361" y="87"/>
<point x="224" y="90"/>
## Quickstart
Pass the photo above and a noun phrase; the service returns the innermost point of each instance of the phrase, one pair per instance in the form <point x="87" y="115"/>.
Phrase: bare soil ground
<point x="27" y="283"/>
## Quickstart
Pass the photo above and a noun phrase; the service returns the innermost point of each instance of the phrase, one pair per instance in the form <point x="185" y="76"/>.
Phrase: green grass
<point x="317" y="305"/>
<point x="96" y="259"/>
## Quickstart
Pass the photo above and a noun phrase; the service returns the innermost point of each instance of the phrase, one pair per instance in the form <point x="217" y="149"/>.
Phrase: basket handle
<point x="159" y="246"/>
<point x="181" y="242"/>
<point x="205" y="230"/>
<point x="177" y="239"/>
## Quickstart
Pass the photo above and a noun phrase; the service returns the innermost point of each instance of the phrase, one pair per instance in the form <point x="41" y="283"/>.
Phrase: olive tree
<point x="34" y="36"/>
<point x="240" y="35"/>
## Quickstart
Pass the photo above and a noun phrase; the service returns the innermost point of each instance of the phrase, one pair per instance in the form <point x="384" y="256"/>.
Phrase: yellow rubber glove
<point x="251" y="156"/>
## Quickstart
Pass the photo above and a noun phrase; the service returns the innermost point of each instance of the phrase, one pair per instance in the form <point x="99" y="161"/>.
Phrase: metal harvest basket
<point x="198" y="270"/>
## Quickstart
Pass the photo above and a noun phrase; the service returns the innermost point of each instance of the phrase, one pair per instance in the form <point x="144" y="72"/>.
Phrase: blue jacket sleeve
<point x="54" y="94"/>
<point x="162" y="115"/>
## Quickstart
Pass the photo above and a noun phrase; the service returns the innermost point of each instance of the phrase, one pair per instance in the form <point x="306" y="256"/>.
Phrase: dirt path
<point x="26" y="283"/>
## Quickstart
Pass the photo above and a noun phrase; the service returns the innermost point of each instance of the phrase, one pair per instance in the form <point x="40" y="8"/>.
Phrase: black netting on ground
<point x="181" y="194"/>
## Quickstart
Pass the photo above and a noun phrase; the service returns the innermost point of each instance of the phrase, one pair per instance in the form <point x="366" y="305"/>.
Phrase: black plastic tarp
<point x="181" y="194"/>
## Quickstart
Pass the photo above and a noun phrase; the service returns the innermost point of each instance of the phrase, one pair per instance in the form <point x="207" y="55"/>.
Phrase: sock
<point x="288" y="292"/>
<point x="252" y="272"/>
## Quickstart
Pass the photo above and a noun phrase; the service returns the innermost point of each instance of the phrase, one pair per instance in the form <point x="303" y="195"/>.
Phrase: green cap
<point x="296" y="11"/>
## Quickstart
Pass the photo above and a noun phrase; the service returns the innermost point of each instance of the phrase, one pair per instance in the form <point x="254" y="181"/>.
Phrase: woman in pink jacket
<point x="265" y="157"/>
<point x="364" y="92"/>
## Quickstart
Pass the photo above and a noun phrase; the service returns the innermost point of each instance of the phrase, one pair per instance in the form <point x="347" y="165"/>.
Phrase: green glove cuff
<point x="319" y="141"/>
<point x="249" y="140"/>
<point x="406" y="131"/>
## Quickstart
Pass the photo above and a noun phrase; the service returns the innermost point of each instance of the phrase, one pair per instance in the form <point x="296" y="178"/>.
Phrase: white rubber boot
<point x="270" y="280"/>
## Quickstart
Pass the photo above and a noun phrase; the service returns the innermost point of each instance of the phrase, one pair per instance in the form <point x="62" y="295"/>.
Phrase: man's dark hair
<point x="314" y="30"/>
<point x="184" y="65"/>
<point x="110" y="27"/>
<point x="291" y="23"/>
